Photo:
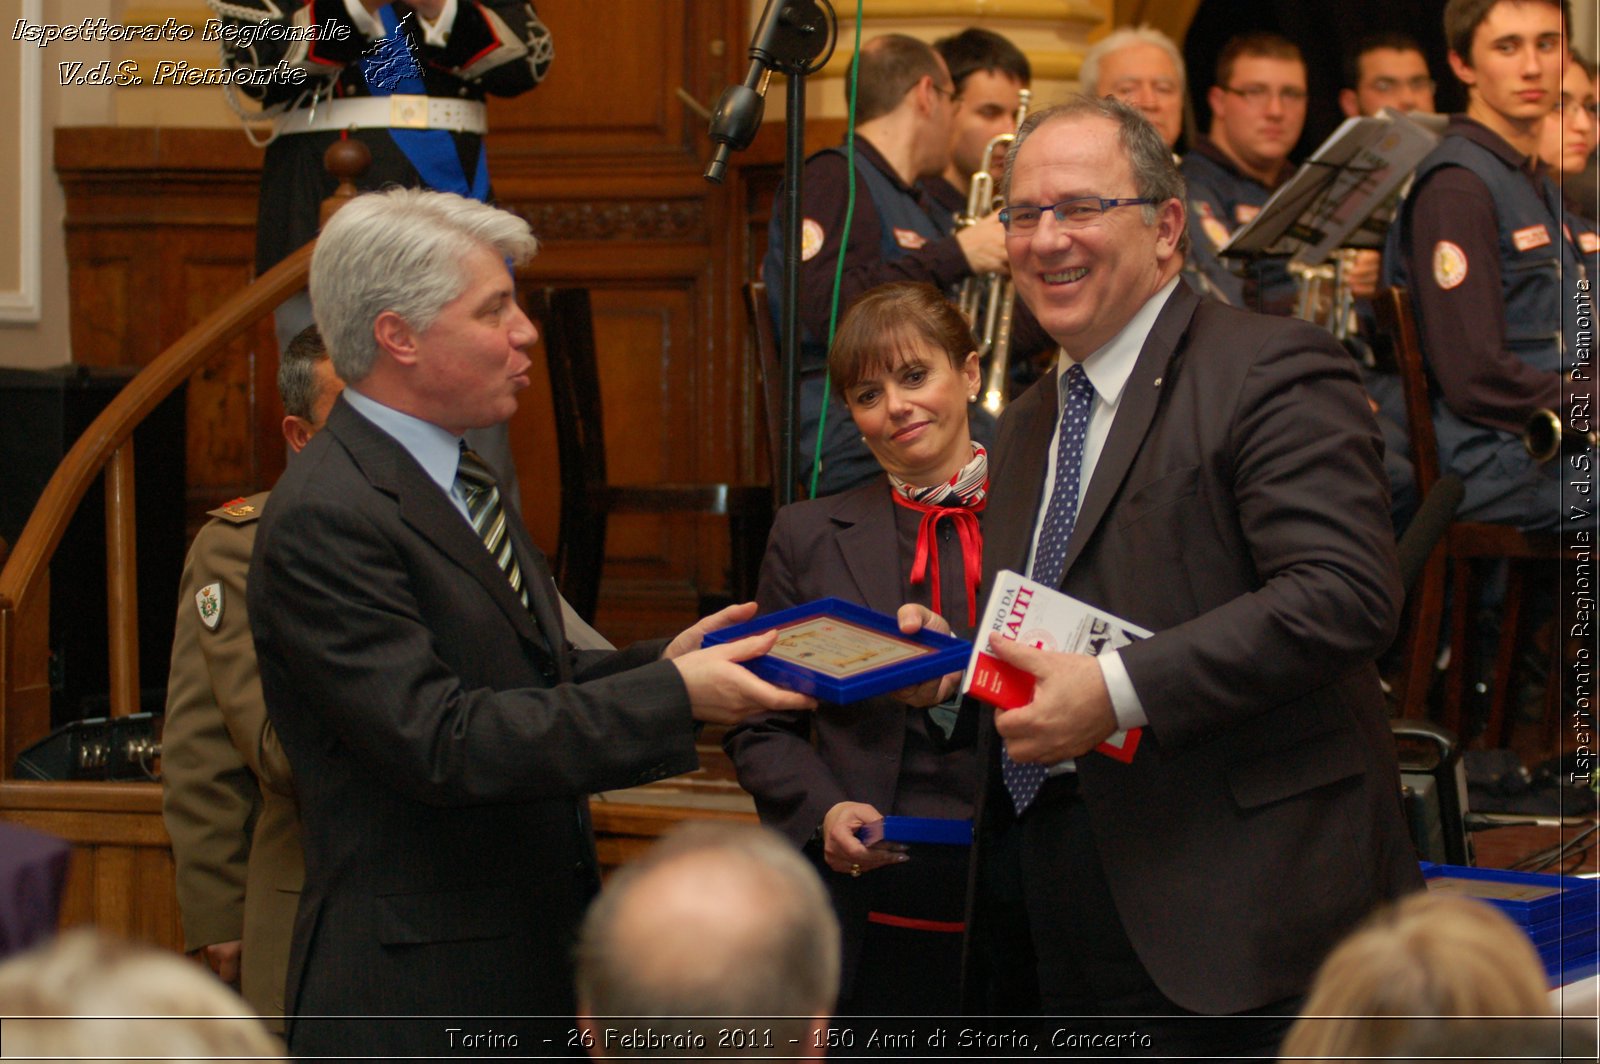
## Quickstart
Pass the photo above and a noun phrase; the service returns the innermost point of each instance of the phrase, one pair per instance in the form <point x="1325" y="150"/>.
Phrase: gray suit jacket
<point x="442" y="752"/>
<point x="1238" y="510"/>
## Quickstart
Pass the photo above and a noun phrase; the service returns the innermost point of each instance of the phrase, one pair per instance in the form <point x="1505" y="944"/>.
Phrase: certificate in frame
<point x="841" y="652"/>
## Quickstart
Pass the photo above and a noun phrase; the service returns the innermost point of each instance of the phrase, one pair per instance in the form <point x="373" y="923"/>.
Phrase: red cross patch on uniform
<point x="811" y="237"/>
<point x="1449" y="265"/>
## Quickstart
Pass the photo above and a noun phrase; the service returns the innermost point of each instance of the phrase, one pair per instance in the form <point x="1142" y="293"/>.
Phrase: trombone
<point x="989" y="298"/>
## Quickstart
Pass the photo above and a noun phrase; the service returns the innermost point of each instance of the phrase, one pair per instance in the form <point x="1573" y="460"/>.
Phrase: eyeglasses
<point x="1072" y="213"/>
<point x="1258" y="95"/>
<point x="1589" y="107"/>
<point x="1419" y="84"/>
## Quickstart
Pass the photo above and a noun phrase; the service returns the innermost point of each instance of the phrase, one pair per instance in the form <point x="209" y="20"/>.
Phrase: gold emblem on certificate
<point x="840" y="649"/>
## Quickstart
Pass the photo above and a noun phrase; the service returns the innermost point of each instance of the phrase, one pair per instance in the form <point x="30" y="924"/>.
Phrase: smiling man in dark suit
<point x="443" y="732"/>
<point x="1214" y="476"/>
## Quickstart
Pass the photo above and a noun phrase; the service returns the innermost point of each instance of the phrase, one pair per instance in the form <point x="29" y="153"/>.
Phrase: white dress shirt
<point x="1108" y="370"/>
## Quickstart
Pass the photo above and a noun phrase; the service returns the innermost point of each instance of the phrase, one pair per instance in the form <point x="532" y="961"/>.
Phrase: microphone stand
<point x="791" y="37"/>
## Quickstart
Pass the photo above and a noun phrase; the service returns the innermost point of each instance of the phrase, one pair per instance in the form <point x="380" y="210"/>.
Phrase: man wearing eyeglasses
<point x="1258" y="107"/>
<point x="1214" y="476"/>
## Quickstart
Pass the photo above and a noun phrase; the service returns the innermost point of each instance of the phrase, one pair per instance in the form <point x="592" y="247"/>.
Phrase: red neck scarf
<point x="960" y="499"/>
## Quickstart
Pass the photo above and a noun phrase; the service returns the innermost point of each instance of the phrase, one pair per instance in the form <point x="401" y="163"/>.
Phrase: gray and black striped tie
<point x="482" y="494"/>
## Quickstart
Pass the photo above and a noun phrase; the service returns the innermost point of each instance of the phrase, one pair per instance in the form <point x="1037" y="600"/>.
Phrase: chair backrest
<point x="1392" y="307"/>
<point x="1423" y="556"/>
<point x="566" y="320"/>
<point x="769" y="370"/>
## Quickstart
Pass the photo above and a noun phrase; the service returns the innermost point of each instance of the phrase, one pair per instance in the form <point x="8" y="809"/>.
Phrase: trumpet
<point x="988" y="300"/>
<point x="1322" y="293"/>
<point x="1546" y="436"/>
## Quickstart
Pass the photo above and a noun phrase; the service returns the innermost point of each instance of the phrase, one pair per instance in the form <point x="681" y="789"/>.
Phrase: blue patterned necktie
<point x="482" y="494"/>
<point x="1050" y="555"/>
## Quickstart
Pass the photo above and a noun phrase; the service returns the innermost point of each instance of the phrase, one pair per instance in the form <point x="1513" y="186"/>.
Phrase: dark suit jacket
<point x="1238" y="511"/>
<point x="800" y="765"/>
<point x="442" y="772"/>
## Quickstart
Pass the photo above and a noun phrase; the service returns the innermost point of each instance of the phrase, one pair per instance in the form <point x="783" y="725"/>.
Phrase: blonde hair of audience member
<point x="1428" y="954"/>
<point x="716" y="922"/>
<point x="85" y="994"/>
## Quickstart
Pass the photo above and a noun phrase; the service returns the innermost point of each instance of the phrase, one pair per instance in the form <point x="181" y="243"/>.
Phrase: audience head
<point x="1386" y="70"/>
<point x="84" y="993"/>
<point x="989" y="74"/>
<point x="1085" y="274"/>
<point x="1568" y="135"/>
<point x="1510" y="55"/>
<point x="1430" y="954"/>
<point x="308" y="387"/>
<point x="905" y="363"/>
<point x="415" y="300"/>
<point x="716" y="922"/>
<point x="1141" y="66"/>
<point x="1258" y="104"/>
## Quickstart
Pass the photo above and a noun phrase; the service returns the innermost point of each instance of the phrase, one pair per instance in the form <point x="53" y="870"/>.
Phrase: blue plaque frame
<point x="946" y="654"/>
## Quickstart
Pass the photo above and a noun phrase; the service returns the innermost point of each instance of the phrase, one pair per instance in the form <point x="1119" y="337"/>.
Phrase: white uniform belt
<point x="389" y="112"/>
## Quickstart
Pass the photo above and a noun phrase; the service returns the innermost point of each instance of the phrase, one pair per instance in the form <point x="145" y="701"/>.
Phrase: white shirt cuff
<point x="1124" y="699"/>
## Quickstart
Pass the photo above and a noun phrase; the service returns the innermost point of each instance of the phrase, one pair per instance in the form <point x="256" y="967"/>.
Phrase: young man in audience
<point x="1480" y="242"/>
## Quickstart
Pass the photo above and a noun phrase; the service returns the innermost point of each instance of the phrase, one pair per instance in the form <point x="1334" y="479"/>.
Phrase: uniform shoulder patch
<point x="811" y="237"/>
<point x="237" y="511"/>
<point x="208" y="600"/>
<point x="1449" y="265"/>
<point x="1589" y="243"/>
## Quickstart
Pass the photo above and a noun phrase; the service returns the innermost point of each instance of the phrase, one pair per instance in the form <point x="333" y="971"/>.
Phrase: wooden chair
<point x="1468" y="545"/>
<point x="588" y="499"/>
<point x="769" y="373"/>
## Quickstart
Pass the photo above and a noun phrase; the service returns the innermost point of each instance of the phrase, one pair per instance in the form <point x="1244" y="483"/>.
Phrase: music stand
<point x="1344" y="194"/>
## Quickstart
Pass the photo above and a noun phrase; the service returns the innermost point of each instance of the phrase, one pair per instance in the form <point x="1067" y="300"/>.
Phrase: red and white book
<point x="1043" y="618"/>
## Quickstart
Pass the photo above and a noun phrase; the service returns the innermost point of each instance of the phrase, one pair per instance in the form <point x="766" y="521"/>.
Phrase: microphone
<point x="1432" y="519"/>
<point x="791" y="35"/>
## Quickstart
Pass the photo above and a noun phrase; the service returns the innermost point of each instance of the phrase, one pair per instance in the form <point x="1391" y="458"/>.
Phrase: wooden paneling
<point x="121" y="876"/>
<point x="160" y="230"/>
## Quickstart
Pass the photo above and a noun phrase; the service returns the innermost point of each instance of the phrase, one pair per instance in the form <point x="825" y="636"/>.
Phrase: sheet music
<point x="1344" y="195"/>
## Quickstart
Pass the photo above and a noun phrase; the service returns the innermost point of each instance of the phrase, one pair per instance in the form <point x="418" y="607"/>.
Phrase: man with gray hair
<point x="718" y="927"/>
<point x="1195" y="818"/>
<point x="1142" y="67"/>
<point x="443" y="732"/>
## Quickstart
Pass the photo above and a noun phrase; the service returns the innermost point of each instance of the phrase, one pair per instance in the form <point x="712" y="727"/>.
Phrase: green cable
<point x="844" y="239"/>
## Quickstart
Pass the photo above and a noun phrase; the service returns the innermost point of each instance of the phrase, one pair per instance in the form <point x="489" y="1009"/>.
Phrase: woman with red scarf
<point x="904" y="363"/>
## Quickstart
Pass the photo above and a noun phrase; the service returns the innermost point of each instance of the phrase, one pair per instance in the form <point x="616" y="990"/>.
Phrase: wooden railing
<point x="106" y="445"/>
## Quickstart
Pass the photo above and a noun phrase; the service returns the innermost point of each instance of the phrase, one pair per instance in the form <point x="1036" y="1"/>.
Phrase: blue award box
<point x="841" y="652"/>
<point x="941" y="831"/>
<point x="1559" y="914"/>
